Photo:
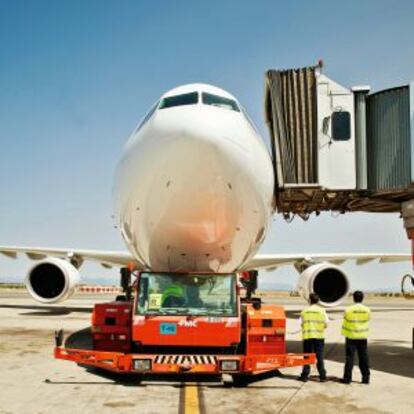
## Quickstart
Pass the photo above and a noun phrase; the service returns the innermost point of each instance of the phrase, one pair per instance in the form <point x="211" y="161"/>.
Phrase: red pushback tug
<point x="184" y="324"/>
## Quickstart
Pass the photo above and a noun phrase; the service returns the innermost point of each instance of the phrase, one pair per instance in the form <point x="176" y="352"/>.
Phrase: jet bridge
<point x="339" y="149"/>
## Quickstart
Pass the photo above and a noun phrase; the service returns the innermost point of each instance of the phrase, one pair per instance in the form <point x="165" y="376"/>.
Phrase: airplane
<point x="193" y="193"/>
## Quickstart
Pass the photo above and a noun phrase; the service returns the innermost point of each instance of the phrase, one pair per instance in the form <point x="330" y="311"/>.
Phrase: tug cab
<point x="195" y="310"/>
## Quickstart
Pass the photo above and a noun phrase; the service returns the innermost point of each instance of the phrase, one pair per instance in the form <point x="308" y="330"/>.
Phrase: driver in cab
<point x="176" y="296"/>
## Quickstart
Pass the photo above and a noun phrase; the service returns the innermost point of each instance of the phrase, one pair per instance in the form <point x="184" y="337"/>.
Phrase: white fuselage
<point x="194" y="187"/>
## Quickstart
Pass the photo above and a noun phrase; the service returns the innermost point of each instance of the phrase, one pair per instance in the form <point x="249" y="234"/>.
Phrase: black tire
<point x="240" y="380"/>
<point x="80" y="340"/>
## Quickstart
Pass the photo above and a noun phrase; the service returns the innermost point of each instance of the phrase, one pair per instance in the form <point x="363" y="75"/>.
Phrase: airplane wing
<point x="273" y="261"/>
<point x="105" y="258"/>
<point x="109" y="259"/>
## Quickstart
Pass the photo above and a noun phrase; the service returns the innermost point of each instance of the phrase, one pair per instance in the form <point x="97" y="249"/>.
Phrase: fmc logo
<point x="188" y="324"/>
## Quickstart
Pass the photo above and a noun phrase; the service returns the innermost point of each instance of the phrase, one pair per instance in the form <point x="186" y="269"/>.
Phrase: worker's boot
<point x="365" y="380"/>
<point x="344" y="381"/>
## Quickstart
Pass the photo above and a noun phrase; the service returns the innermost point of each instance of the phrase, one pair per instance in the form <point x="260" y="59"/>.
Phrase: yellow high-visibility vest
<point x="313" y="322"/>
<point x="173" y="290"/>
<point x="356" y="319"/>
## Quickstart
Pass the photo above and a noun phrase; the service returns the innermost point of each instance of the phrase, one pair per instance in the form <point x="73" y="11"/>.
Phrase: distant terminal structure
<point x="98" y="289"/>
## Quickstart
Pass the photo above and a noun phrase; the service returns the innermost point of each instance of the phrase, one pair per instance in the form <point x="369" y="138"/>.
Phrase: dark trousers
<point x="316" y="346"/>
<point x="361" y="347"/>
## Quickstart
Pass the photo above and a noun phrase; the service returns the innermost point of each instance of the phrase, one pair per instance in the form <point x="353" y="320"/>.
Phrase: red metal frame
<point x="122" y="363"/>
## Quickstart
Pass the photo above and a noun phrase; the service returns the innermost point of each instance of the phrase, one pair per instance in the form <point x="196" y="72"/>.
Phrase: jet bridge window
<point x="215" y="100"/>
<point x="341" y="126"/>
<point x="179" y="100"/>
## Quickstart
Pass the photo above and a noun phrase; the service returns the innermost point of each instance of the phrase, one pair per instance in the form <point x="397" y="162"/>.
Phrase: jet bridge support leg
<point x="407" y="211"/>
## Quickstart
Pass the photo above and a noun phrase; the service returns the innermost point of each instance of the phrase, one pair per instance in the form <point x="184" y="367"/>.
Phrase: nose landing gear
<point x="407" y="286"/>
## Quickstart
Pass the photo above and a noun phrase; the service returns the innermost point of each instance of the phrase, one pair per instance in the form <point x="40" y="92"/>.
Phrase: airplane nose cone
<point x="191" y="217"/>
<point x="192" y="201"/>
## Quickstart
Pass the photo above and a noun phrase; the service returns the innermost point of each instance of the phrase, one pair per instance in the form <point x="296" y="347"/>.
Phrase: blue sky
<point x="76" y="77"/>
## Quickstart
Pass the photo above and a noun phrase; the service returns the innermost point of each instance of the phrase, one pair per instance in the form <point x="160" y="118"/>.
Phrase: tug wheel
<point x="407" y="286"/>
<point x="80" y="339"/>
<point x="240" y="380"/>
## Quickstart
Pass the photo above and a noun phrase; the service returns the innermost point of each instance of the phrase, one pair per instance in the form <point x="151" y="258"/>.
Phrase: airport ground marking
<point x="191" y="400"/>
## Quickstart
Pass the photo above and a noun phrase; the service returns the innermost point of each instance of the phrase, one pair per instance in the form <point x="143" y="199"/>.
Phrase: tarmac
<point x="32" y="381"/>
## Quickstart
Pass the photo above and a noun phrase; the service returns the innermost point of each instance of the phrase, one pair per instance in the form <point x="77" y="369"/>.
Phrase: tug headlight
<point x="141" y="364"/>
<point x="229" y="365"/>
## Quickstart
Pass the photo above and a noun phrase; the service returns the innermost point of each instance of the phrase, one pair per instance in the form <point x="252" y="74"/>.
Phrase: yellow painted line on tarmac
<point x="191" y="400"/>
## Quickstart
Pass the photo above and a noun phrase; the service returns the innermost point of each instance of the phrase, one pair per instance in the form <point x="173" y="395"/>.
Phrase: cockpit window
<point x="215" y="100"/>
<point x="179" y="100"/>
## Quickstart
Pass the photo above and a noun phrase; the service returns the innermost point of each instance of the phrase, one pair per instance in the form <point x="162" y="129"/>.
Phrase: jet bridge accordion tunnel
<point x="339" y="149"/>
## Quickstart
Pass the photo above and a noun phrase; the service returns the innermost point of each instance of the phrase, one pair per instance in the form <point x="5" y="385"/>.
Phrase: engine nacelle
<point x="327" y="280"/>
<point x="52" y="280"/>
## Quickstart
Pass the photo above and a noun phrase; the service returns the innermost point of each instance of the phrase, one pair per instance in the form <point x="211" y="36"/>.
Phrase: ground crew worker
<point x="355" y="329"/>
<point x="314" y="322"/>
<point x="173" y="296"/>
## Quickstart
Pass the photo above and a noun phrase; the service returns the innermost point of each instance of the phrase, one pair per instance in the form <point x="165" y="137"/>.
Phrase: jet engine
<point x="52" y="280"/>
<point x="327" y="280"/>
